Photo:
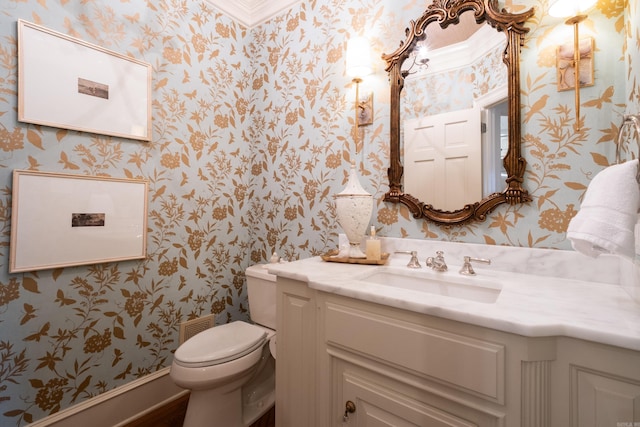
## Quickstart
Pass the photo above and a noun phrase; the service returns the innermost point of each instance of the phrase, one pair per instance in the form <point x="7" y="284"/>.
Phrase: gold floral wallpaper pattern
<point x="252" y="135"/>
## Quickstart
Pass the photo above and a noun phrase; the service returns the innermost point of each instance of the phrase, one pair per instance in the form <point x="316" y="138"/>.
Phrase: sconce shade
<point x="568" y="8"/>
<point x="358" y="57"/>
<point x="423" y="53"/>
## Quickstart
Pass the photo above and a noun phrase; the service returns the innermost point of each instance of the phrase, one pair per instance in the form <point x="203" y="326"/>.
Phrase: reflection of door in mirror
<point x="495" y="143"/>
<point x="443" y="158"/>
<point x="441" y="86"/>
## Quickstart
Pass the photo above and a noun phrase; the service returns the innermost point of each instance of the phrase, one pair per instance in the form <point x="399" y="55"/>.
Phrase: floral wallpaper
<point x="252" y="136"/>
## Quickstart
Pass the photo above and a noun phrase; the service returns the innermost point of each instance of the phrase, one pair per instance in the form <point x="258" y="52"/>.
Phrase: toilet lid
<point x="220" y="344"/>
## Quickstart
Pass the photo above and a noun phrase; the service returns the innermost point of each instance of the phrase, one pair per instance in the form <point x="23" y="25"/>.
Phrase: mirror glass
<point x="453" y="107"/>
<point x="455" y="143"/>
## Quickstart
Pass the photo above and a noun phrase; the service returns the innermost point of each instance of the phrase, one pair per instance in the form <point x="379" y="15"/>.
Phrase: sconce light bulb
<point x="567" y="8"/>
<point x="358" y="57"/>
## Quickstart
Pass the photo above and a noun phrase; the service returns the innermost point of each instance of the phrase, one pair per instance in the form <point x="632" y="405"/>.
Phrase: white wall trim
<point x="252" y="12"/>
<point x="121" y="404"/>
<point x="461" y="54"/>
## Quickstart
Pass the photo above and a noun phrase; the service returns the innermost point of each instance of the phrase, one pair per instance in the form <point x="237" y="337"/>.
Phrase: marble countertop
<point x="529" y="304"/>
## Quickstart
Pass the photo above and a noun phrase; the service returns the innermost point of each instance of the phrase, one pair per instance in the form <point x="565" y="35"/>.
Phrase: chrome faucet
<point x="413" y="262"/>
<point x="437" y="263"/>
<point x="467" y="269"/>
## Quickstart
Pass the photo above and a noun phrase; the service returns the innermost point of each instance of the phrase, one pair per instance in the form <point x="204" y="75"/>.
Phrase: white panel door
<point x="443" y="159"/>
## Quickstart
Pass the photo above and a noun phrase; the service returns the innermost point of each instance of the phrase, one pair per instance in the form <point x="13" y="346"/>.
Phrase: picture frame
<point x="61" y="220"/>
<point x="565" y="65"/>
<point x="91" y="90"/>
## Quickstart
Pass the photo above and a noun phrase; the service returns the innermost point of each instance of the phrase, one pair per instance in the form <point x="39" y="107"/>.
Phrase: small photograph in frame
<point x="565" y="64"/>
<point x="88" y="219"/>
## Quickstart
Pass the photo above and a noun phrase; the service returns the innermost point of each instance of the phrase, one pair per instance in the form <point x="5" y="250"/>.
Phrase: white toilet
<point x="230" y="369"/>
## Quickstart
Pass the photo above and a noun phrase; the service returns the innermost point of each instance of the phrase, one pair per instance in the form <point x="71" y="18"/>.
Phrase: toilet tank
<point x="261" y="287"/>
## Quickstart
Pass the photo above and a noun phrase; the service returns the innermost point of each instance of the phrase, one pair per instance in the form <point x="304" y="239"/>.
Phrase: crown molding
<point x="252" y="12"/>
<point x="463" y="53"/>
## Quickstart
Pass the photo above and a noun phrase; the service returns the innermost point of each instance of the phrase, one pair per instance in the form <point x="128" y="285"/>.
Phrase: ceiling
<point x="436" y="37"/>
<point x="252" y="12"/>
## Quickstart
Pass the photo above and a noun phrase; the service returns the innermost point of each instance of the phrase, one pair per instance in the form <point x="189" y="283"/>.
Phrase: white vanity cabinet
<point x="397" y="367"/>
<point x="403" y="368"/>
<point x="407" y="369"/>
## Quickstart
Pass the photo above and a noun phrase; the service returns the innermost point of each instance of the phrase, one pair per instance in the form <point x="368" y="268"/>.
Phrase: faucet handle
<point x="413" y="262"/>
<point x="467" y="269"/>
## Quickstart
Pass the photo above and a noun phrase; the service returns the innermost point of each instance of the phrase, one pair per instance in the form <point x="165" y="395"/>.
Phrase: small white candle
<point x="373" y="246"/>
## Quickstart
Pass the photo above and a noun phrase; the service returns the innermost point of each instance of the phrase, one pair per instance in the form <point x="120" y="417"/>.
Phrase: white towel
<point x="607" y="217"/>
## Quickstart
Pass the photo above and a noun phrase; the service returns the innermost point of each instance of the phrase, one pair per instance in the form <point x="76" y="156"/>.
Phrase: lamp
<point x="358" y="58"/>
<point x="353" y="204"/>
<point x="575" y="11"/>
<point x="358" y="65"/>
<point x="569" y="8"/>
<point x="420" y="59"/>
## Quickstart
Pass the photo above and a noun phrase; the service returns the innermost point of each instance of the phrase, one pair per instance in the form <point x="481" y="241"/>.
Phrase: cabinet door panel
<point x="383" y="402"/>
<point x="475" y="366"/>
<point x="605" y="400"/>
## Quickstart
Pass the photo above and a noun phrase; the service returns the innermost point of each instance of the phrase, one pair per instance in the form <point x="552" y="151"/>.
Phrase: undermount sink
<point x="468" y="288"/>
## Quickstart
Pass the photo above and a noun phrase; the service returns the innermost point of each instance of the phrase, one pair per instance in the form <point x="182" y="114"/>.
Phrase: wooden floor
<point x="172" y="415"/>
<point x="267" y="420"/>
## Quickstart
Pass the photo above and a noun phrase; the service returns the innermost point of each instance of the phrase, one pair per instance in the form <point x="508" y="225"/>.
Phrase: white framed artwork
<point x="67" y="83"/>
<point x="61" y="220"/>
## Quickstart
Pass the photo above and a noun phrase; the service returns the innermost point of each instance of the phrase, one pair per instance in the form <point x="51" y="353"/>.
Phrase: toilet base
<point x="238" y="403"/>
<point x="254" y="412"/>
<point x="259" y="393"/>
<point x="210" y="408"/>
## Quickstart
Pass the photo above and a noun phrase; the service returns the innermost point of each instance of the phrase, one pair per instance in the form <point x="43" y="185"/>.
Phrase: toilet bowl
<point x="230" y="369"/>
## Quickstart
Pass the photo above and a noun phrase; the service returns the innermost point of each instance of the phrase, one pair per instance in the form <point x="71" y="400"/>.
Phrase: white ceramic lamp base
<point x="353" y="210"/>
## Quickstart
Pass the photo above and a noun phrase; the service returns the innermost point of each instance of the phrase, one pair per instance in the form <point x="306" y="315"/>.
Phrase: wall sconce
<point x="575" y="11"/>
<point x="420" y="60"/>
<point x="358" y="65"/>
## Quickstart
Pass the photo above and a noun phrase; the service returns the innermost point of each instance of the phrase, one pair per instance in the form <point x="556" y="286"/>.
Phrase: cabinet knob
<point x="349" y="408"/>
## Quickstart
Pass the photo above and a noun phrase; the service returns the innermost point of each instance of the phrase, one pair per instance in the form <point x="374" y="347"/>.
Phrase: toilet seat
<point x="220" y="344"/>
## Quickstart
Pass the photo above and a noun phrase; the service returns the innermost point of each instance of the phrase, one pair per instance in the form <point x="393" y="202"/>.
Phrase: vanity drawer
<point x="472" y="365"/>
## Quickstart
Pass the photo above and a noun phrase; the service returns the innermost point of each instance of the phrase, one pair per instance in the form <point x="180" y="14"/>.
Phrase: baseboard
<point x="120" y="405"/>
<point x="166" y="414"/>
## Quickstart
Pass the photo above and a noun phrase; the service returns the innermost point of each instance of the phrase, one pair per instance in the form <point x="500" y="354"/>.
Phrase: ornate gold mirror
<point x="445" y="15"/>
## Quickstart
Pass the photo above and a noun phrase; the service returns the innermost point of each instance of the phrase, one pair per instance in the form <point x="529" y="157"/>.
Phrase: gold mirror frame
<point x="445" y="13"/>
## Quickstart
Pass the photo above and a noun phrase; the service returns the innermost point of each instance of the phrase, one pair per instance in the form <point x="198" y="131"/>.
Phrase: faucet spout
<point x="437" y="263"/>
